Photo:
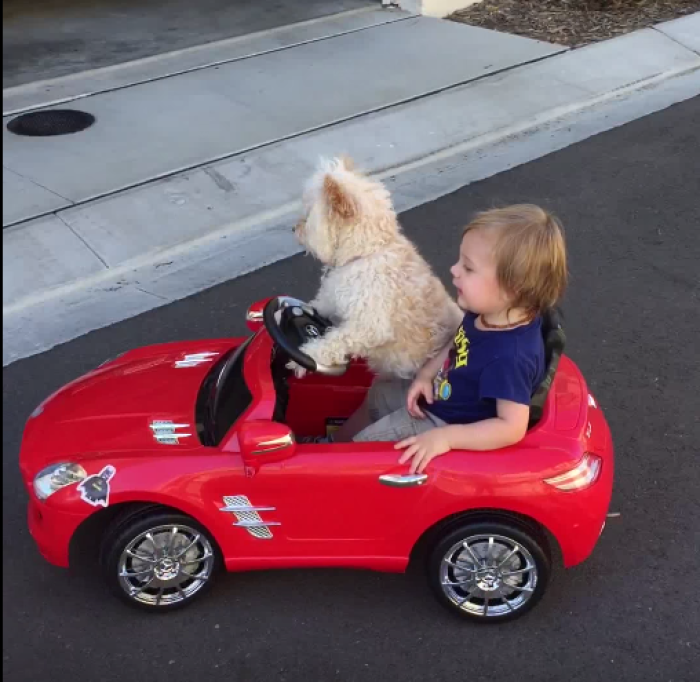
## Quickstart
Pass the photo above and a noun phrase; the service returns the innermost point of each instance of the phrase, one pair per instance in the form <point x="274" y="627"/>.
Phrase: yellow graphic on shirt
<point x="459" y="357"/>
<point x="462" y="348"/>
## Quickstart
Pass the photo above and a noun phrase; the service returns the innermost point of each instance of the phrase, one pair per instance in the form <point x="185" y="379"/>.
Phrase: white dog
<point x="385" y="303"/>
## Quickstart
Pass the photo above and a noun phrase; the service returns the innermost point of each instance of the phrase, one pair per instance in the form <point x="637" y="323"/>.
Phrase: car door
<point x="349" y="500"/>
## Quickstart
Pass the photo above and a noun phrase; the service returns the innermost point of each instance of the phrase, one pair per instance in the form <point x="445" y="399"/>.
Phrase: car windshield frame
<point x="223" y="396"/>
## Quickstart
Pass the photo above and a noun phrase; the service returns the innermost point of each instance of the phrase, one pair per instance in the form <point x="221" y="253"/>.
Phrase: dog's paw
<point x="299" y="371"/>
<point x="329" y="350"/>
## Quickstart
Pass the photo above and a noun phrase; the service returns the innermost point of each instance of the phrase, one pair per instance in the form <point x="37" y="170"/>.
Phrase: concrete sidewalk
<point x="479" y="103"/>
<point x="165" y="126"/>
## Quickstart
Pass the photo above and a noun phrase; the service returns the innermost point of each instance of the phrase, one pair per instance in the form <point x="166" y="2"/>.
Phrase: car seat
<point x="554" y="342"/>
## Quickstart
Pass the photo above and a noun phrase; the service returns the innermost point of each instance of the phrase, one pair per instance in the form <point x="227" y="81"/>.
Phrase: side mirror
<point x="254" y="314"/>
<point x="263" y="442"/>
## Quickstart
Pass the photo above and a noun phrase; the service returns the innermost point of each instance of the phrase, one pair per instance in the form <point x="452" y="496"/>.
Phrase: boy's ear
<point x="339" y="202"/>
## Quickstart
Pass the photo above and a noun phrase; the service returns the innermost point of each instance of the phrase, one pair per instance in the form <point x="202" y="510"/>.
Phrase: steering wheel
<point x="290" y="323"/>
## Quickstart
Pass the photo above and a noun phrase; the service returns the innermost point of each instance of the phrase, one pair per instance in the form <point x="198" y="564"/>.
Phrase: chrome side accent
<point x="274" y="444"/>
<point x="245" y="508"/>
<point x="195" y="359"/>
<point x="171" y="440"/>
<point x="399" y="481"/>
<point x="247" y="516"/>
<point x="166" y="432"/>
<point x="263" y="533"/>
<point x="254" y="316"/>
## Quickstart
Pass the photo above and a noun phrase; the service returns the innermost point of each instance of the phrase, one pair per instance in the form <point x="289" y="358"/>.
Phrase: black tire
<point x="202" y="560"/>
<point x="508" y="598"/>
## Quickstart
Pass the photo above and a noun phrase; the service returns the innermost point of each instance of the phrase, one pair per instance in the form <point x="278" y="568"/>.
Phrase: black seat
<point x="554" y="342"/>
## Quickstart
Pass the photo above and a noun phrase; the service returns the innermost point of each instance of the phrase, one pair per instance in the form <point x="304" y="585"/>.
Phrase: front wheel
<point x="489" y="572"/>
<point x="160" y="562"/>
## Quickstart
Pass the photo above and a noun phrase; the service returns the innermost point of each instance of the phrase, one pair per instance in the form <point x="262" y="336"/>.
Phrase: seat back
<point x="554" y="342"/>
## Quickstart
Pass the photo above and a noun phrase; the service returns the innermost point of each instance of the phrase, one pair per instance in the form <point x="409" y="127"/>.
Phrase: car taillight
<point x="583" y="475"/>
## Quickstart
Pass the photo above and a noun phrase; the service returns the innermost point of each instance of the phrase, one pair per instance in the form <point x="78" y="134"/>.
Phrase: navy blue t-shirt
<point x="485" y="366"/>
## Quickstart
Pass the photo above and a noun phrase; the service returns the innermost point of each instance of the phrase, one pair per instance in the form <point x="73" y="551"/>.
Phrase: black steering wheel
<point x="290" y="323"/>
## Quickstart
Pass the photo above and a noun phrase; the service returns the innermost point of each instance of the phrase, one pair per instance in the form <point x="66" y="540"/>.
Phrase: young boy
<point x="475" y="394"/>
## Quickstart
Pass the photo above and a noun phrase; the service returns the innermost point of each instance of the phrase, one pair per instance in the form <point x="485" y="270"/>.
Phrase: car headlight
<point x="57" y="476"/>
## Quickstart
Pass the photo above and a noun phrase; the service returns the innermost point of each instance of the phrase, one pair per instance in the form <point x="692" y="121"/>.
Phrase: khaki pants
<point x="391" y="420"/>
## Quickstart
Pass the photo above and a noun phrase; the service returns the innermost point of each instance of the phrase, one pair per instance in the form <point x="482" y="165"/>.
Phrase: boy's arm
<point x="507" y="428"/>
<point x="422" y="386"/>
<point x="433" y="366"/>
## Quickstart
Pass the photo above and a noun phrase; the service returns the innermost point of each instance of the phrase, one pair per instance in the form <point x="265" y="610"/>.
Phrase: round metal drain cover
<point x="51" y="122"/>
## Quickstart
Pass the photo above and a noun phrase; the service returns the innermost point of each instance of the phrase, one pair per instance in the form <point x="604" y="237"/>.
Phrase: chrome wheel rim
<point x="488" y="575"/>
<point x="165" y="565"/>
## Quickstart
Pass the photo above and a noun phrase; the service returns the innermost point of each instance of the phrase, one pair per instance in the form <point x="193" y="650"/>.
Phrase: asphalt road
<point x="629" y="200"/>
<point x="96" y="34"/>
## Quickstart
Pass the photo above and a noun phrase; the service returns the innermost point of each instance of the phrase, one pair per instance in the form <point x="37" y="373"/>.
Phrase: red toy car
<point x="178" y="459"/>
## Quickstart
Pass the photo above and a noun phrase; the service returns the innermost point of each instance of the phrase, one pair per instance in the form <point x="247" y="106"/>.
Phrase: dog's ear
<point x="337" y="198"/>
<point x="347" y="163"/>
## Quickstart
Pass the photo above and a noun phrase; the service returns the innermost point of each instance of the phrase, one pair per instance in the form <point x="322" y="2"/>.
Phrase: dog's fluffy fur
<point x="386" y="304"/>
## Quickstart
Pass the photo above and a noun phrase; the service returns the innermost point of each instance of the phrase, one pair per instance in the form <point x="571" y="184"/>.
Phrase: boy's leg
<point x="359" y="420"/>
<point x="397" y="426"/>
<point x="386" y="395"/>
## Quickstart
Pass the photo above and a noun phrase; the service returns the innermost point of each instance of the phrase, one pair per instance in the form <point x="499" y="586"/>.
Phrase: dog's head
<point x="346" y="214"/>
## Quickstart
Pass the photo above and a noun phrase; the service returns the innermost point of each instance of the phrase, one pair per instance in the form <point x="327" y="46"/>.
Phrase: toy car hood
<point x="141" y="401"/>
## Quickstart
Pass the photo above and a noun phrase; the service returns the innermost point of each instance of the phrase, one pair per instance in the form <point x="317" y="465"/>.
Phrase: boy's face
<point x="474" y="275"/>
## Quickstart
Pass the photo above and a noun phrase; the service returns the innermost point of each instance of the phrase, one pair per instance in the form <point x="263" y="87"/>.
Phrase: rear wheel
<point x="489" y="572"/>
<point x="161" y="561"/>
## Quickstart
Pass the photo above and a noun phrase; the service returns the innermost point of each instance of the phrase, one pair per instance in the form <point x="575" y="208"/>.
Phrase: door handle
<point x="401" y="481"/>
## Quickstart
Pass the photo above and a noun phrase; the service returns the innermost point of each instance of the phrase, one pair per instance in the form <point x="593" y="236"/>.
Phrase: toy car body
<point x="176" y="459"/>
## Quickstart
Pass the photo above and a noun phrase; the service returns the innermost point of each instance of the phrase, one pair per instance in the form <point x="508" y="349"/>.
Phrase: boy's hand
<point x="421" y="387"/>
<point x="423" y="448"/>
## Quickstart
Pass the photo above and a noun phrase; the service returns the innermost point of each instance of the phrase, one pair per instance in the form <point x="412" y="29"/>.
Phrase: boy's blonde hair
<point x="530" y="254"/>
